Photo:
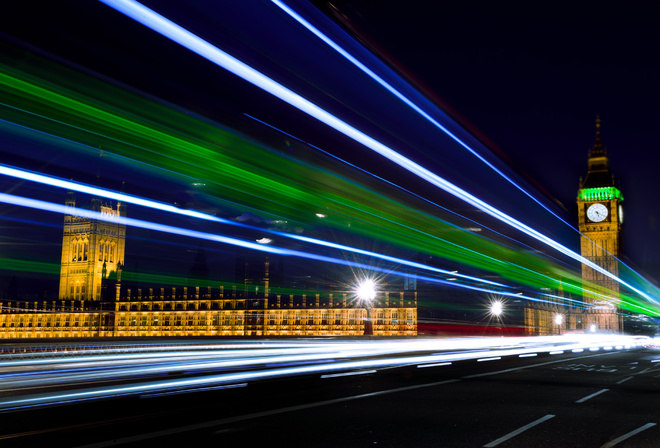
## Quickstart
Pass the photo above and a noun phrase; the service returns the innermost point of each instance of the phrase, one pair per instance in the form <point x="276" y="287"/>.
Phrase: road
<point x="594" y="398"/>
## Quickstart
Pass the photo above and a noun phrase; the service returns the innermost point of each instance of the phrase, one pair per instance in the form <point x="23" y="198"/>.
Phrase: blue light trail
<point x="178" y="34"/>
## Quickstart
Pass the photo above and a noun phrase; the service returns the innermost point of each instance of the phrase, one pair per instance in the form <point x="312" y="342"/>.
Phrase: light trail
<point x="130" y="199"/>
<point x="62" y="209"/>
<point x="428" y="201"/>
<point x="226" y="367"/>
<point x="187" y="39"/>
<point x="483" y="254"/>
<point x="407" y="101"/>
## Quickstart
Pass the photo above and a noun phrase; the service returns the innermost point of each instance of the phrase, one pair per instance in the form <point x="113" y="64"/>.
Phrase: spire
<point x="598" y="174"/>
<point x="598" y="149"/>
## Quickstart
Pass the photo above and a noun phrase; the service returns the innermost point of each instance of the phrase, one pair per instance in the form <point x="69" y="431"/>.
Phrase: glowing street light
<point x="366" y="293"/>
<point x="366" y="290"/>
<point x="496" y="308"/>
<point x="559" y="319"/>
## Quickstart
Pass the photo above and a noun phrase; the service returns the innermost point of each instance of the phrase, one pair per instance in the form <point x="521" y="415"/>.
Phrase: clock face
<point x="620" y="214"/>
<point x="597" y="212"/>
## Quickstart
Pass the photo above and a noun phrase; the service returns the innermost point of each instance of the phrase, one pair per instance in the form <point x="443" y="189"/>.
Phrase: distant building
<point x="600" y="221"/>
<point x="92" y="250"/>
<point x="600" y="218"/>
<point x="94" y="302"/>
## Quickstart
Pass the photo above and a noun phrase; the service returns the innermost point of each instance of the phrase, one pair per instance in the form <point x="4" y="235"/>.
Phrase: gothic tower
<point x="600" y="217"/>
<point x="92" y="250"/>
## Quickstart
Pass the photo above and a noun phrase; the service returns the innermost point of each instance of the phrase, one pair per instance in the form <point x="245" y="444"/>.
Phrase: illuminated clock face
<point x="597" y="212"/>
<point x="620" y="214"/>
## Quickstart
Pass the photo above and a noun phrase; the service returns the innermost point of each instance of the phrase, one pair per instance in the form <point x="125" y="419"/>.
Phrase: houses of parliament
<point x="94" y="303"/>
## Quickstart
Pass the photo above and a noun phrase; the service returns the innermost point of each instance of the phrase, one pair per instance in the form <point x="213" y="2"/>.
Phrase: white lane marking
<point x="624" y="380"/>
<point x="437" y="364"/>
<point x="477" y="375"/>
<point x="489" y="359"/>
<point x="359" y="372"/>
<point x="582" y="400"/>
<point x="557" y="352"/>
<point x="239" y="418"/>
<point x="518" y="431"/>
<point x="528" y="355"/>
<point x="628" y="435"/>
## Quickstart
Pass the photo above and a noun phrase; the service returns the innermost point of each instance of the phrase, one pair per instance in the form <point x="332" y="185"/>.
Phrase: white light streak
<point x="203" y="48"/>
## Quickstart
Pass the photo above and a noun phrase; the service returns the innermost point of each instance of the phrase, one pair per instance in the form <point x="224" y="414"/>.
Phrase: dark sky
<point x="526" y="78"/>
<point x="531" y="77"/>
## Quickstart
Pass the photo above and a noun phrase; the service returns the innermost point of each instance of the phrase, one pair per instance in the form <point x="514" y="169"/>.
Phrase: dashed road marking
<point x="582" y="400"/>
<point x="518" y="431"/>
<point x="628" y="435"/>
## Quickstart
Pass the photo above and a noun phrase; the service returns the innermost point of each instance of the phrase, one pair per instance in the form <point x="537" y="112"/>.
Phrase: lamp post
<point x="559" y="319"/>
<point x="366" y="293"/>
<point x="496" y="310"/>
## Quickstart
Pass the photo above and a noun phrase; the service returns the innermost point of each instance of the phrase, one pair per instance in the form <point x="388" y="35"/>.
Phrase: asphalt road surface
<point x="588" y="399"/>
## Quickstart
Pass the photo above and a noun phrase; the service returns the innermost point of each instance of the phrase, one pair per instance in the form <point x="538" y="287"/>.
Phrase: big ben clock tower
<point x="600" y="217"/>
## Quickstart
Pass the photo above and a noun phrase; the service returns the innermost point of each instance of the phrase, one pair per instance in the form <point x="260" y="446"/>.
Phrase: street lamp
<point x="496" y="308"/>
<point x="366" y="290"/>
<point x="559" y="319"/>
<point x="366" y="293"/>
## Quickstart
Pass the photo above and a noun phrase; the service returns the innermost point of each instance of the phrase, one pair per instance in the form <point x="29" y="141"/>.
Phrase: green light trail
<point x="252" y="176"/>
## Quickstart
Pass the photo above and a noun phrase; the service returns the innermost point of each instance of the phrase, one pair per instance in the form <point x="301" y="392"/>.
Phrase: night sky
<point x="526" y="79"/>
<point x="530" y="78"/>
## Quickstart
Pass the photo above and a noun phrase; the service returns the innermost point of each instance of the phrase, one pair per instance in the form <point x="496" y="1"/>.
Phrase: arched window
<point x="85" y="249"/>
